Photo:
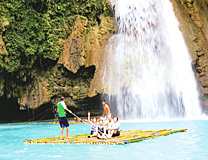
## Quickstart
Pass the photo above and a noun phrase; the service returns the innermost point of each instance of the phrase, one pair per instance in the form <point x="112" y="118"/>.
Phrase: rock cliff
<point x="193" y="18"/>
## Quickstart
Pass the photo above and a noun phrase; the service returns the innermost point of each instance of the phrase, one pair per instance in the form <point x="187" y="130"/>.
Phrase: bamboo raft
<point x="125" y="137"/>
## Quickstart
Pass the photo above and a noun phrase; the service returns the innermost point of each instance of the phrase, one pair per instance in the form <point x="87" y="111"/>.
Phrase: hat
<point x="62" y="98"/>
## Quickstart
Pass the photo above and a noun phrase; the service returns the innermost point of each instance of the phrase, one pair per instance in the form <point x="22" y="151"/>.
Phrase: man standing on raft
<point x="106" y="112"/>
<point x="62" y="117"/>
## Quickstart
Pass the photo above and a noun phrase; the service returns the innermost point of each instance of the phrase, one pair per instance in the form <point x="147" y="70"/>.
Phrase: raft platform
<point x="125" y="137"/>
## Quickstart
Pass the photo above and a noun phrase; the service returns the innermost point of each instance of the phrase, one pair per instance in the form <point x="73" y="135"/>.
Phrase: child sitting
<point x="113" y="131"/>
<point x="101" y="130"/>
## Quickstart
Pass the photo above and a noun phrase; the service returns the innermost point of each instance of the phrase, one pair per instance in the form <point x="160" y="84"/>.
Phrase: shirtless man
<point x="106" y="112"/>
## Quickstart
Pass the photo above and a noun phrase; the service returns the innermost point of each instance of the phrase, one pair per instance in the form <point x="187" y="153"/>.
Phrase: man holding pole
<point x="62" y="117"/>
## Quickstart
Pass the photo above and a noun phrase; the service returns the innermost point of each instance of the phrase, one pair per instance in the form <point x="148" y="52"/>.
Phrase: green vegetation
<point x="36" y="29"/>
<point x="33" y="32"/>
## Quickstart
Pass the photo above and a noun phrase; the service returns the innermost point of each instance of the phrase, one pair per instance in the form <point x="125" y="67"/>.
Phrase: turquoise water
<point x="191" y="145"/>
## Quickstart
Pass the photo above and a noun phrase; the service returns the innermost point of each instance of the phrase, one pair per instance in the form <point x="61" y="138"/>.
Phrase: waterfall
<point x="148" y="66"/>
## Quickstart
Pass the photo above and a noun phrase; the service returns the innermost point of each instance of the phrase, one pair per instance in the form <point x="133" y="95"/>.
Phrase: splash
<point x="149" y="69"/>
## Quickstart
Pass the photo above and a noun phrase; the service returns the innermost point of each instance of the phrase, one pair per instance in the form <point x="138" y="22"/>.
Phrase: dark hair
<point x="116" y="117"/>
<point x="103" y="100"/>
<point x="62" y="98"/>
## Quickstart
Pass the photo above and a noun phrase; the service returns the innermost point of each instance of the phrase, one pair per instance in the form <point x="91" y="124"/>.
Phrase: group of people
<point x="99" y="128"/>
<point x="105" y="126"/>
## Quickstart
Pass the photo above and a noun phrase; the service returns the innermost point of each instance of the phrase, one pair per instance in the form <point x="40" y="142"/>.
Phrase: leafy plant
<point x="36" y="28"/>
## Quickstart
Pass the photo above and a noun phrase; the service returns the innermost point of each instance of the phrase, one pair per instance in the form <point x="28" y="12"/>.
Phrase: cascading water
<point x="148" y="66"/>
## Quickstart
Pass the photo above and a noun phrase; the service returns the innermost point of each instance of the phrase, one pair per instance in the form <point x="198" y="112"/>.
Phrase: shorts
<point x="63" y="122"/>
<point x="117" y="134"/>
<point x="107" y="115"/>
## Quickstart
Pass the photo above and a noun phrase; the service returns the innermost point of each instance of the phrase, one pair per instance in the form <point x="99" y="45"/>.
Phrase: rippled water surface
<point x="192" y="144"/>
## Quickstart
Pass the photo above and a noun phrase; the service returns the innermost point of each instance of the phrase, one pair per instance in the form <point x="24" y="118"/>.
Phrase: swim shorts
<point x="108" y="115"/>
<point x="117" y="134"/>
<point x="63" y="122"/>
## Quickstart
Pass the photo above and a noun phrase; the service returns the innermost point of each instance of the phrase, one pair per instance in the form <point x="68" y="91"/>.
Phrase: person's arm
<point x="106" y="124"/>
<point x="109" y="126"/>
<point x="89" y="119"/>
<point x="64" y="105"/>
<point x="88" y="116"/>
<point x="68" y="110"/>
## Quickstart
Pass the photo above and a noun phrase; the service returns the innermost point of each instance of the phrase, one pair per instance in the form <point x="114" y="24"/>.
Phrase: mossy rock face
<point x="192" y="16"/>
<point x="51" y="48"/>
<point x="124" y="138"/>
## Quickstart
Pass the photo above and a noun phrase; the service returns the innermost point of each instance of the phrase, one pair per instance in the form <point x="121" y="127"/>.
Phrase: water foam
<point x="149" y="68"/>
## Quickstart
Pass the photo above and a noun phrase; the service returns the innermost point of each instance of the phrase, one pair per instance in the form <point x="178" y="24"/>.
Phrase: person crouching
<point x="113" y="131"/>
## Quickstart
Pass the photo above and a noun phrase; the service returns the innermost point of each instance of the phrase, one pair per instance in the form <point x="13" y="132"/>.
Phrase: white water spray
<point x="149" y="68"/>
